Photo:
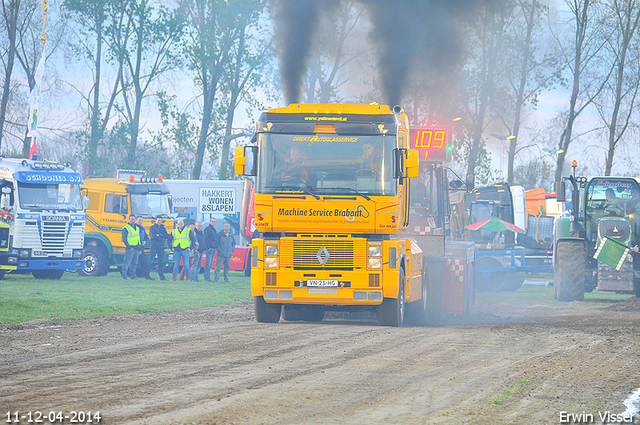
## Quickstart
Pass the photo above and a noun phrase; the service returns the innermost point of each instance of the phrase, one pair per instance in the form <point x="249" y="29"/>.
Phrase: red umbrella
<point x="494" y="225"/>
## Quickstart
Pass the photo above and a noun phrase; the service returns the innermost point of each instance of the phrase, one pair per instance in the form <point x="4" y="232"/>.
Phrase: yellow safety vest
<point x="181" y="238"/>
<point x="133" y="235"/>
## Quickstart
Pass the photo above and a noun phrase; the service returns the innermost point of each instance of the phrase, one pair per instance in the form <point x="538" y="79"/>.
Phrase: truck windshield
<point x="326" y="163"/>
<point x="611" y="199"/>
<point x="149" y="204"/>
<point x="40" y="197"/>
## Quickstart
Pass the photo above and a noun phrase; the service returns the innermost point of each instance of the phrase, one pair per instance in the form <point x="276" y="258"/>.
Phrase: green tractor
<point x="601" y="206"/>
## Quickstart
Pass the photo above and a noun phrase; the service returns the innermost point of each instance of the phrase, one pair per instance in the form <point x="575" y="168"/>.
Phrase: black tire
<point x="2" y="273"/>
<point x="266" y="312"/>
<point x="569" y="271"/>
<point x="434" y="300"/>
<point x="417" y="311"/>
<point x="96" y="262"/>
<point x="48" y="274"/>
<point x="493" y="281"/>
<point x="391" y="311"/>
<point x="291" y="313"/>
<point x="313" y="314"/>
<point x="55" y="274"/>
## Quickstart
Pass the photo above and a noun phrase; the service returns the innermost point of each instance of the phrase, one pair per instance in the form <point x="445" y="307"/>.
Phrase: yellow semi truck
<point x="111" y="201"/>
<point x="332" y="208"/>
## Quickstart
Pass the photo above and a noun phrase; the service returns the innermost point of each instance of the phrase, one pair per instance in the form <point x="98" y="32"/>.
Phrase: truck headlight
<point x="12" y="260"/>
<point x="25" y="253"/>
<point x="271" y="250"/>
<point x="375" y="251"/>
<point x="375" y="263"/>
<point x="77" y="253"/>
<point x="271" y="262"/>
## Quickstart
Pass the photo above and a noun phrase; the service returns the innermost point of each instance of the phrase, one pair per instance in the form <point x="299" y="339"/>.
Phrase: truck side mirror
<point x="413" y="163"/>
<point x="470" y="181"/>
<point x="85" y="202"/>
<point x="398" y="157"/>
<point x="561" y="191"/>
<point x="245" y="161"/>
<point x="5" y="199"/>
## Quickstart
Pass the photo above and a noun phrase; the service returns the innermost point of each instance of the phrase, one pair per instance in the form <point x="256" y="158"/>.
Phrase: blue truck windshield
<point x="49" y="197"/>
<point x="326" y="163"/>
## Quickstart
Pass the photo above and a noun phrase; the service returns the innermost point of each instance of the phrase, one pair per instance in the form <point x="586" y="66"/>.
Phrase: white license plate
<point x="39" y="253"/>
<point x="322" y="282"/>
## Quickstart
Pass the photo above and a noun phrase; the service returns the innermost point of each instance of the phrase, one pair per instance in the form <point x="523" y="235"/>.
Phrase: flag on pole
<point x="611" y="252"/>
<point x="32" y="152"/>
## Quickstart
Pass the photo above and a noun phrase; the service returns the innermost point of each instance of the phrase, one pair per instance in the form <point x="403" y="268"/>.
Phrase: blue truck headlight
<point x="77" y="253"/>
<point x="12" y="260"/>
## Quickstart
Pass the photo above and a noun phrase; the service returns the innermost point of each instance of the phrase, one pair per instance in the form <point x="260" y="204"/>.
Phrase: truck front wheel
<point x="48" y="274"/>
<point x="391" y="311"/>
<point x="266" y="312"/>
<point x="95" y="262"/>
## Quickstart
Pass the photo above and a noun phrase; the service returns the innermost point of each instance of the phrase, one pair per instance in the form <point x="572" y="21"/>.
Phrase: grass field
<point x="23" y="298"/>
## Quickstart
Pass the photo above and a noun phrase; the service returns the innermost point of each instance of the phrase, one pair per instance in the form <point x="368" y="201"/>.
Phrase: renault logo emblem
<point x="323" y="255"/>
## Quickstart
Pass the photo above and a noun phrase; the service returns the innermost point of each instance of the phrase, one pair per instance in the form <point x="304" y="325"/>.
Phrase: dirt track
<point x="505" y="364"/>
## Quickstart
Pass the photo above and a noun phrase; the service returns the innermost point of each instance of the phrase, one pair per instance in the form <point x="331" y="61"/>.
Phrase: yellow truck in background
<point x="332" y="208"/>
<point x="111" y="201"/>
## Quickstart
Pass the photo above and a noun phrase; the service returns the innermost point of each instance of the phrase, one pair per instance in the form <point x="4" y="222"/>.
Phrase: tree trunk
<point x="11" y="18"/>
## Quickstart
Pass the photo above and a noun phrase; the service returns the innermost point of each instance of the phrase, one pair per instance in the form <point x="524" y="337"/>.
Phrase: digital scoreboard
<point x="434" y="144"/>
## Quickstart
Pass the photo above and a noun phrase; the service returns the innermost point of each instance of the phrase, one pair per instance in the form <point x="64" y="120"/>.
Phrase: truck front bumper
<point x="29" y="264"/>
<point x="337" y="287"/>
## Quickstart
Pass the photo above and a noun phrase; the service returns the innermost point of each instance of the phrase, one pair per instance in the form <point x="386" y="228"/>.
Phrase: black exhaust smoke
<point x="296" y="22"/>
<point x="410" y="34"/>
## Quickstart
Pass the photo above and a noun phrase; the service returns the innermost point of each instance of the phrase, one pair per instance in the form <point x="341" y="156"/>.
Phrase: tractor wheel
<point x="569" y="271"/>
<point x="266" y="312"/>
<point x="391" y="311"/>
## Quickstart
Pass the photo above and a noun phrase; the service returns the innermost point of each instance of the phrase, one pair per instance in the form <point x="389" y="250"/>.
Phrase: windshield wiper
<point x="294" y="189"/>
<point x="352" y="191"/>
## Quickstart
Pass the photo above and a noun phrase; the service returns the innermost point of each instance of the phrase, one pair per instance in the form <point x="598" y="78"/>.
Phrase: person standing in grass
<point x="226" y="246"/>
<point x="131" y="240"/>
<point x="181" y="243"/>
<point x="142" y="257"/>
<point x="211" y="242"/>
<point x="200" y="248"/>
<point x="159" y="236"/>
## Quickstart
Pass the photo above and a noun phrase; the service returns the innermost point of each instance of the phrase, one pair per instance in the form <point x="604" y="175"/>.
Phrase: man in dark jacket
<point x="200" y="249"/>
<point x="158" y="235"/>
<point x="144" y="242"/>
<point x="226" y="246"/>
<point x="211" y="242"/>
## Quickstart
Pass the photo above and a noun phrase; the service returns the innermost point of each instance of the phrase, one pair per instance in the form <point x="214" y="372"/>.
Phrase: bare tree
<point x="10" y="15"/>
<point x="493" y="19"/>
<point x="586" y="76"/>
<point x="618" y="100"/>
<point x="145" y="40"/>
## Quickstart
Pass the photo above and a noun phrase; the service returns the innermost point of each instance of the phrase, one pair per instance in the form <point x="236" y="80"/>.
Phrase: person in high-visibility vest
<point x="181" y="241"/>
<point x="132" y="242"/>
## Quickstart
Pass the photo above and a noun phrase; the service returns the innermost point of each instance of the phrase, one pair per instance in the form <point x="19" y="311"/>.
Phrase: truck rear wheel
<point x="569" y="271"/>
<point x="95" y="262"/>
<point x="266" y="312"/>
<point x="391" y="311"/>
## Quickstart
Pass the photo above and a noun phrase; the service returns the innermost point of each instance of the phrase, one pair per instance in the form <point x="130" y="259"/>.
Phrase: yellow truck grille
<point x="324" y="253"/>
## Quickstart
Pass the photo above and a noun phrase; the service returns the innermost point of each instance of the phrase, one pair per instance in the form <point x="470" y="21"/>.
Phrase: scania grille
<point x="323" y="253"/>
<point x="53" y="237"/>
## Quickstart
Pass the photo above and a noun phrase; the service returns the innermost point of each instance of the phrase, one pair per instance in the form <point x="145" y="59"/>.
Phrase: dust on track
<point x="503" y="364"/>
